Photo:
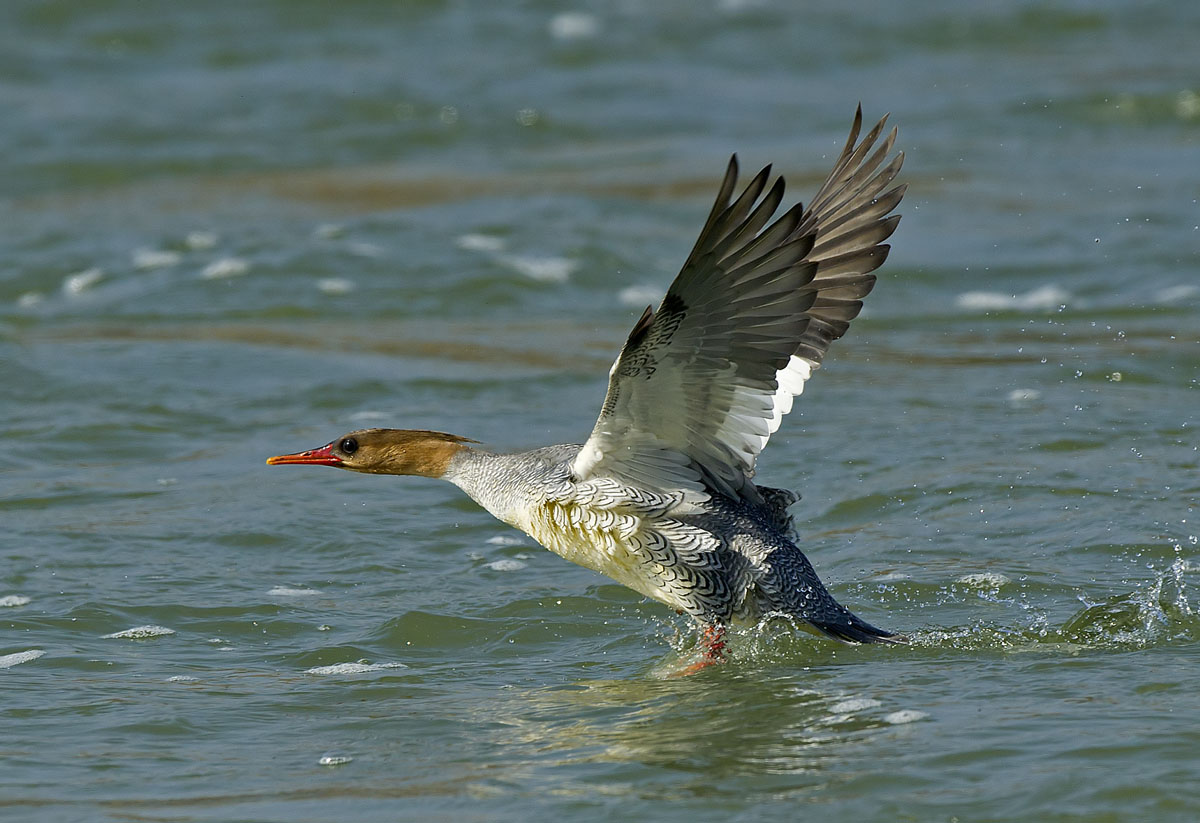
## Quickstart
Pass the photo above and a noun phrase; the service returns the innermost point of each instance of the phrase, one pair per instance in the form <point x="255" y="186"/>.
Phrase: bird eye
<point x="349" y="445"/>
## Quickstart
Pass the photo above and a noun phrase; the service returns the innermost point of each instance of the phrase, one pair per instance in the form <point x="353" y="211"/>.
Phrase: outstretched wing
<point x="702" y="384"/>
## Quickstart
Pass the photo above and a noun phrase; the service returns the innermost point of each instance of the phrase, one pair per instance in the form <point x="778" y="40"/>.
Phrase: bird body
<point x="720" y="560"/>
<point x="661" y="496"/>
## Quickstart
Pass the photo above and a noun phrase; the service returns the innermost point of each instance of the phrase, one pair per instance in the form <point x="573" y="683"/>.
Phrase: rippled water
<point x="230" y="231"/>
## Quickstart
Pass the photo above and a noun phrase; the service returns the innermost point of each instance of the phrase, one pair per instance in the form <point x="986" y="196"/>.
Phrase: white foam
<point x="11" y="600"/>
<point x="573" y="25"/>
<point x="327" y="231"/>
<point x="1045" y="297"/>
<point x="335" y="285"/>
<point x="362" y="248"/>
<point x="139" y="633"/>
<point x="640" y="295"/>
<point x="505" y="540"/>
<point x="479" y="242"/>
<point x="200" y="240"/>
<point x="369" y="415"/>
<point x="334" y="760"/>
<point x="354" y="668"/>
<point x="225" y="267"/>
<point x="1023" y="397"/>
<point x="542" y="269"/>
<point x="738" y="6"/>
<point x="506" y="565"/>
<point x="155" y="258"/>
<point x="181" y="678"/>
<point x="904" y="716"/>
<point x="984" y="580"/>
<point x="7" y="661"/>
<point x="854" y="704"/>
<point x="892" y="576"/>
<point x="1187" y="104"/>
<point x="285" y="591"/>
<point x="29" y="299"/>
<point x="81" y="281"/>
<point x="984" y="300"/>
<point x="1173" y="294"/>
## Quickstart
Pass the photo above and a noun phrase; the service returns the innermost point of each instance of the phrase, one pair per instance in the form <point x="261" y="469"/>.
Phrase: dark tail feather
<point x="854" y="630"/>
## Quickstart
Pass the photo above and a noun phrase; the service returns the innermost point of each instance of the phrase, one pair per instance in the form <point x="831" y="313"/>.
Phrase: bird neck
<point x="498" y="482"/>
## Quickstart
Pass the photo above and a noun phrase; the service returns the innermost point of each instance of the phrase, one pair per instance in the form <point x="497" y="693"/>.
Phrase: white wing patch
<point x="755" y="415"/>
<point x="791" y="379"/>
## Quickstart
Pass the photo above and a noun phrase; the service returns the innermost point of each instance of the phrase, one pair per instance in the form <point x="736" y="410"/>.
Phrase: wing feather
<point x="702" y="383"/>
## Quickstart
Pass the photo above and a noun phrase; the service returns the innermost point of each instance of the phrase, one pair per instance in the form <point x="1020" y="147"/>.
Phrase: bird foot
<point x="714" y="652"/>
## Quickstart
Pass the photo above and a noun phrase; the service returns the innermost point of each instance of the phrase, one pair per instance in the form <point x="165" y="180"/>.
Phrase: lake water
<point x="231" y="230"/>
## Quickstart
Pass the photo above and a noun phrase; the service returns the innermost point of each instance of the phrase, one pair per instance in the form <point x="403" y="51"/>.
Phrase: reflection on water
<point x="705" y="730"/>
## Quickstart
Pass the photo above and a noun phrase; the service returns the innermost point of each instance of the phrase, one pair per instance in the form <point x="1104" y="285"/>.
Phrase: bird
<point x="661" y="495"/>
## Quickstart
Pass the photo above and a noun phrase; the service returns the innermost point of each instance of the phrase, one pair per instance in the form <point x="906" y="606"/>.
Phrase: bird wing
<point x="703" y="382"/>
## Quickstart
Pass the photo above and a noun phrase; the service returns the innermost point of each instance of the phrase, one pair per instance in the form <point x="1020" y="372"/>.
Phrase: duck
<point x="661" y="497"/>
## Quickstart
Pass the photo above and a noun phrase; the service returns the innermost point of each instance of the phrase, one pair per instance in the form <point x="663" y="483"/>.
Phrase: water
<point x="230" y="231"/>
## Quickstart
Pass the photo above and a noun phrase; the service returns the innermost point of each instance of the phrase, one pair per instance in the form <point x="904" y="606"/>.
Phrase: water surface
<point x="230" y="231"/>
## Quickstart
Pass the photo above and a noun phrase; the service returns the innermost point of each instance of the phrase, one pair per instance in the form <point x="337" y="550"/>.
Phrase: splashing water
<point x="1144" y="617"/>
<point x="1153" y="613"/>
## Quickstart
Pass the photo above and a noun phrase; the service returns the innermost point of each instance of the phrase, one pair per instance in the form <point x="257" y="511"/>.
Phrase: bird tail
<point x="851" y="629"/>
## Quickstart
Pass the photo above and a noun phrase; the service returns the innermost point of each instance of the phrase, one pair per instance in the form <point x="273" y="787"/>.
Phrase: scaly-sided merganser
<point x="660" y="498"/>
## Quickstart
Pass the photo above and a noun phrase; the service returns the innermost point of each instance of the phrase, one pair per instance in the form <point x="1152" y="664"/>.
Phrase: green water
<point x="232" y="230"/>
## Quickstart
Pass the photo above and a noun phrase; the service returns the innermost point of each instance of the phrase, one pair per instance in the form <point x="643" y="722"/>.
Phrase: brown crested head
<point x="383" y="451"/>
